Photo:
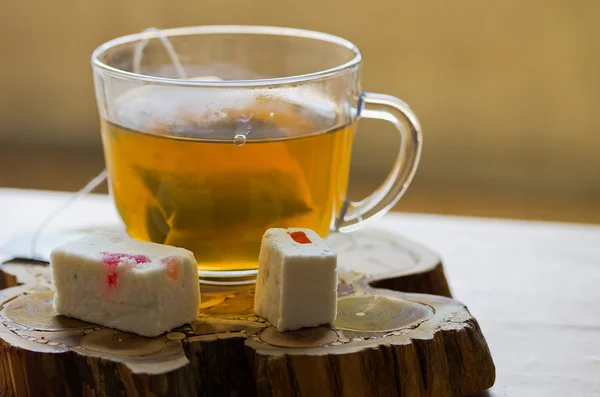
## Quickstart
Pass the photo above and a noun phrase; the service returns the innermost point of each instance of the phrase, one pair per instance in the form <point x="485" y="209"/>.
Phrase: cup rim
<point x="227" y="29"/>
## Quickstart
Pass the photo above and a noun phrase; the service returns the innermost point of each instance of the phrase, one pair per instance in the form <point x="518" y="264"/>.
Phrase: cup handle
<point x="354" y="215"/>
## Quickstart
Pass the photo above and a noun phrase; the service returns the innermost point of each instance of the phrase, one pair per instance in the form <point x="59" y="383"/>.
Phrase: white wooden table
<point x="534" y="287"/>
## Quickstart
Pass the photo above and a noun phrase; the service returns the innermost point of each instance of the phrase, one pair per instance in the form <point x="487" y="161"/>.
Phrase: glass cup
<point x="214" y="134"/>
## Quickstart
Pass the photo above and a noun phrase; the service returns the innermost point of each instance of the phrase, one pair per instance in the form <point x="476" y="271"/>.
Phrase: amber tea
<point x="216" y="184"/>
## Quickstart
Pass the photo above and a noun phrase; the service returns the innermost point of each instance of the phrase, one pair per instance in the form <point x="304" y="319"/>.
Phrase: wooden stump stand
<point x="418" y="342"/>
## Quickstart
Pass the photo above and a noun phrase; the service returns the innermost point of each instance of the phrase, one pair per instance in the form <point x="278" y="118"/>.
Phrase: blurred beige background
<point x="508" y="93"/>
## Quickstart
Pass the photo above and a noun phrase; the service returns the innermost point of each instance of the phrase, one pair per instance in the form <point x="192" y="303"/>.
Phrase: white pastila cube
<point x="122" y="283"/>
<point x="296" y="285"/>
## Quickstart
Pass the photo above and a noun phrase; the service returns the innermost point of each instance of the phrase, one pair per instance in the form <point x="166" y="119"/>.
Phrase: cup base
<point x="225" y="277"/>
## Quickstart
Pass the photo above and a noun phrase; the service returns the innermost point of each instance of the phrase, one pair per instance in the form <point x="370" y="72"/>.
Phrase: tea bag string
<point x="91" y="185"/>
<point x="102" y="176"/>
<point x="139" y="52"/>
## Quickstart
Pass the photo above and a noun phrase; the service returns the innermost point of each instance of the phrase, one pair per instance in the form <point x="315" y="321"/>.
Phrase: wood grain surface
<point x="383" y="342"/>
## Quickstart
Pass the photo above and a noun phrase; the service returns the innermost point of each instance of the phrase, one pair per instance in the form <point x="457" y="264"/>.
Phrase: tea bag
<point x="186" y="201"/>
<point x="240" y="203"/>
<point x="226" y="202"/>
<point x="237" y="198"/>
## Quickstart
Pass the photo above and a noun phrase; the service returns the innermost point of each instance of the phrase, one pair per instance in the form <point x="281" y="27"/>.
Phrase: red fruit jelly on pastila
<point x="118" y="282"/>
<point x="300" y="237"/>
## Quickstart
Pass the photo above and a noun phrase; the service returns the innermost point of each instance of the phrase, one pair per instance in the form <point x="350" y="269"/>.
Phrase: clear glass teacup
<point x="214" y="134"/>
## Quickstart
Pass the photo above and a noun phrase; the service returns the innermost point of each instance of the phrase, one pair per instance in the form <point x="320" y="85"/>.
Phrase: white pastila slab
<point x="296" y="286"/>
<point x="126" y="284"/>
